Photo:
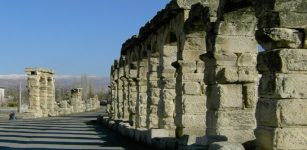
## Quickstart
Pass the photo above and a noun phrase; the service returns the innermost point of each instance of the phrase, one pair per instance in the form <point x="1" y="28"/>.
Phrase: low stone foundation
<point x="160" y="138"/>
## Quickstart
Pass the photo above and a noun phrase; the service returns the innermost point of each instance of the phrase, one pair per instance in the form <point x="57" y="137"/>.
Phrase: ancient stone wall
<point x="192" y="75"/>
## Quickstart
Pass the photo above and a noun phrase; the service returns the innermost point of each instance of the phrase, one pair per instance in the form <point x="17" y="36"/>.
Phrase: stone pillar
<point x="51" y="96"/>
<point x="190" y="87"/>
<point x="120" y="93"/>
<point x="141" y="108"/>
<point x="153" y="91"/>
<point x="230" y="73"/>
<point x="281" y="110"/>
<point x="43" y="95"/>
<point x="166" y="83"/>
<point x="125" y="103"/>
<point x="33" y="90"/>
<point x="76" y="98"/>
<point x="110" y="108"/>
<point x="132" y="96"/>
<point x="115" y="102"/>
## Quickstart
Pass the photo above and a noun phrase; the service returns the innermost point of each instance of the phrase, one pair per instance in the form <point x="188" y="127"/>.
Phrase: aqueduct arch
<point x="202" y="78"/>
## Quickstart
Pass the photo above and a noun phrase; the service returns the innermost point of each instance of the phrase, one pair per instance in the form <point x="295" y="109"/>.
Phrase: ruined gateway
<point x="191" y="77"/>
<point x="42" y="103"/>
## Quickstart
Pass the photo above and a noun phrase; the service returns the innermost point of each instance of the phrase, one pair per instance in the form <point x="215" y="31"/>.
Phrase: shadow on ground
<point x="78" y="131"/>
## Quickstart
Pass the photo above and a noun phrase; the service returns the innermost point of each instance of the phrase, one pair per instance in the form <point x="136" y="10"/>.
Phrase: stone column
<point x="76" y="98"/>
<point x="281" y="110"/>
<point x="43" y="95"/>
<point x="230" y="73"/>
<point x="51" y="96"/>
<point x="190" y="87"/>
<point x="132" y="96"/>
<point x="166" y="83"/>
<point x="110" y="108"/>
<point x="115" y="102"/>
<point x="153" y="91"/>
<point x="141" y="108"/>
<point x="125" y="80"/>
<point x="120" y="94"/>
<point x="33" y="90"/>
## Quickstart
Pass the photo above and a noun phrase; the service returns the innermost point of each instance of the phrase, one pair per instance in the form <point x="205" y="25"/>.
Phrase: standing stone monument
<point x="41" y="92"/>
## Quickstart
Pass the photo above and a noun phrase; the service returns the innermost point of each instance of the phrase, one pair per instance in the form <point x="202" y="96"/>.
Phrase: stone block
<point x="188" y="67"/>
<point x="290" y="6"/>
<point x="168" y="94"/>
<point x="247" y="59"/>
<point x="195" y="44"/>
<point x="194" y="104"/>
<point x="193" y="77"/>
<point x="156" y="133"/>
<point x="230" y="44"/>
<point x="250" y="95"/>
<point x="281" y="138"/>
<point x="194" y="121"/>
<point x="191" y="88"/>
<point x="154" y="100"/>
<point x="226" y="146"/>
<point x="283" y="86"/>
<point x="236" y="28"/>
<point x="223" y="96"/>
<point x="190" y="55"/>
<point x="169" y="50"/>
<point x="234" y="135"/>
<point x="232" y="119"/>
<point x="282" y="19"/>
<point x="282" y="113"/>
<point x="273" y="38"/>
<point x="283" y="61"/>
<point x="227" y="74"/>
<point x="248" y="74"/>
<point x="170" y="83"/>
<point x="293" y="19"/>
<point x="244" y="15"/>
<point x="224" y="58"/>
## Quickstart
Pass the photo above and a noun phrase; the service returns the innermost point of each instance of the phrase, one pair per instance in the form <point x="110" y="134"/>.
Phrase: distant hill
<point x="12" y="81"/>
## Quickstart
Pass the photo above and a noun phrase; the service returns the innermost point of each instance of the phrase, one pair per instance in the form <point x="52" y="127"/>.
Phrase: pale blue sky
<point x="70" y="36"/>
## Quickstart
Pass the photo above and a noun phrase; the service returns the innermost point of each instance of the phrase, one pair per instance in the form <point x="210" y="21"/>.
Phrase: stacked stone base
<point x="161" y="139"/>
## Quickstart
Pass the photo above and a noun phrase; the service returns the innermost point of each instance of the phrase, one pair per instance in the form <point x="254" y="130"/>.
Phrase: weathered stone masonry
<point x="42" y="103"/>
<point x="192" y="75"/>
<point x="41" y="92"/>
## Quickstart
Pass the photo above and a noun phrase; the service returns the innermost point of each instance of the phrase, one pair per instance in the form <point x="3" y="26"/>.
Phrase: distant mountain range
<point x="12" y="81"/>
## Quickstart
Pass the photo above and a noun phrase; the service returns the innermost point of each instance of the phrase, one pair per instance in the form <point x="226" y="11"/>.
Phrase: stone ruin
<point x="42" y="103"/>
<point x="41" y="92"/>
<point x="191" y="76"/>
